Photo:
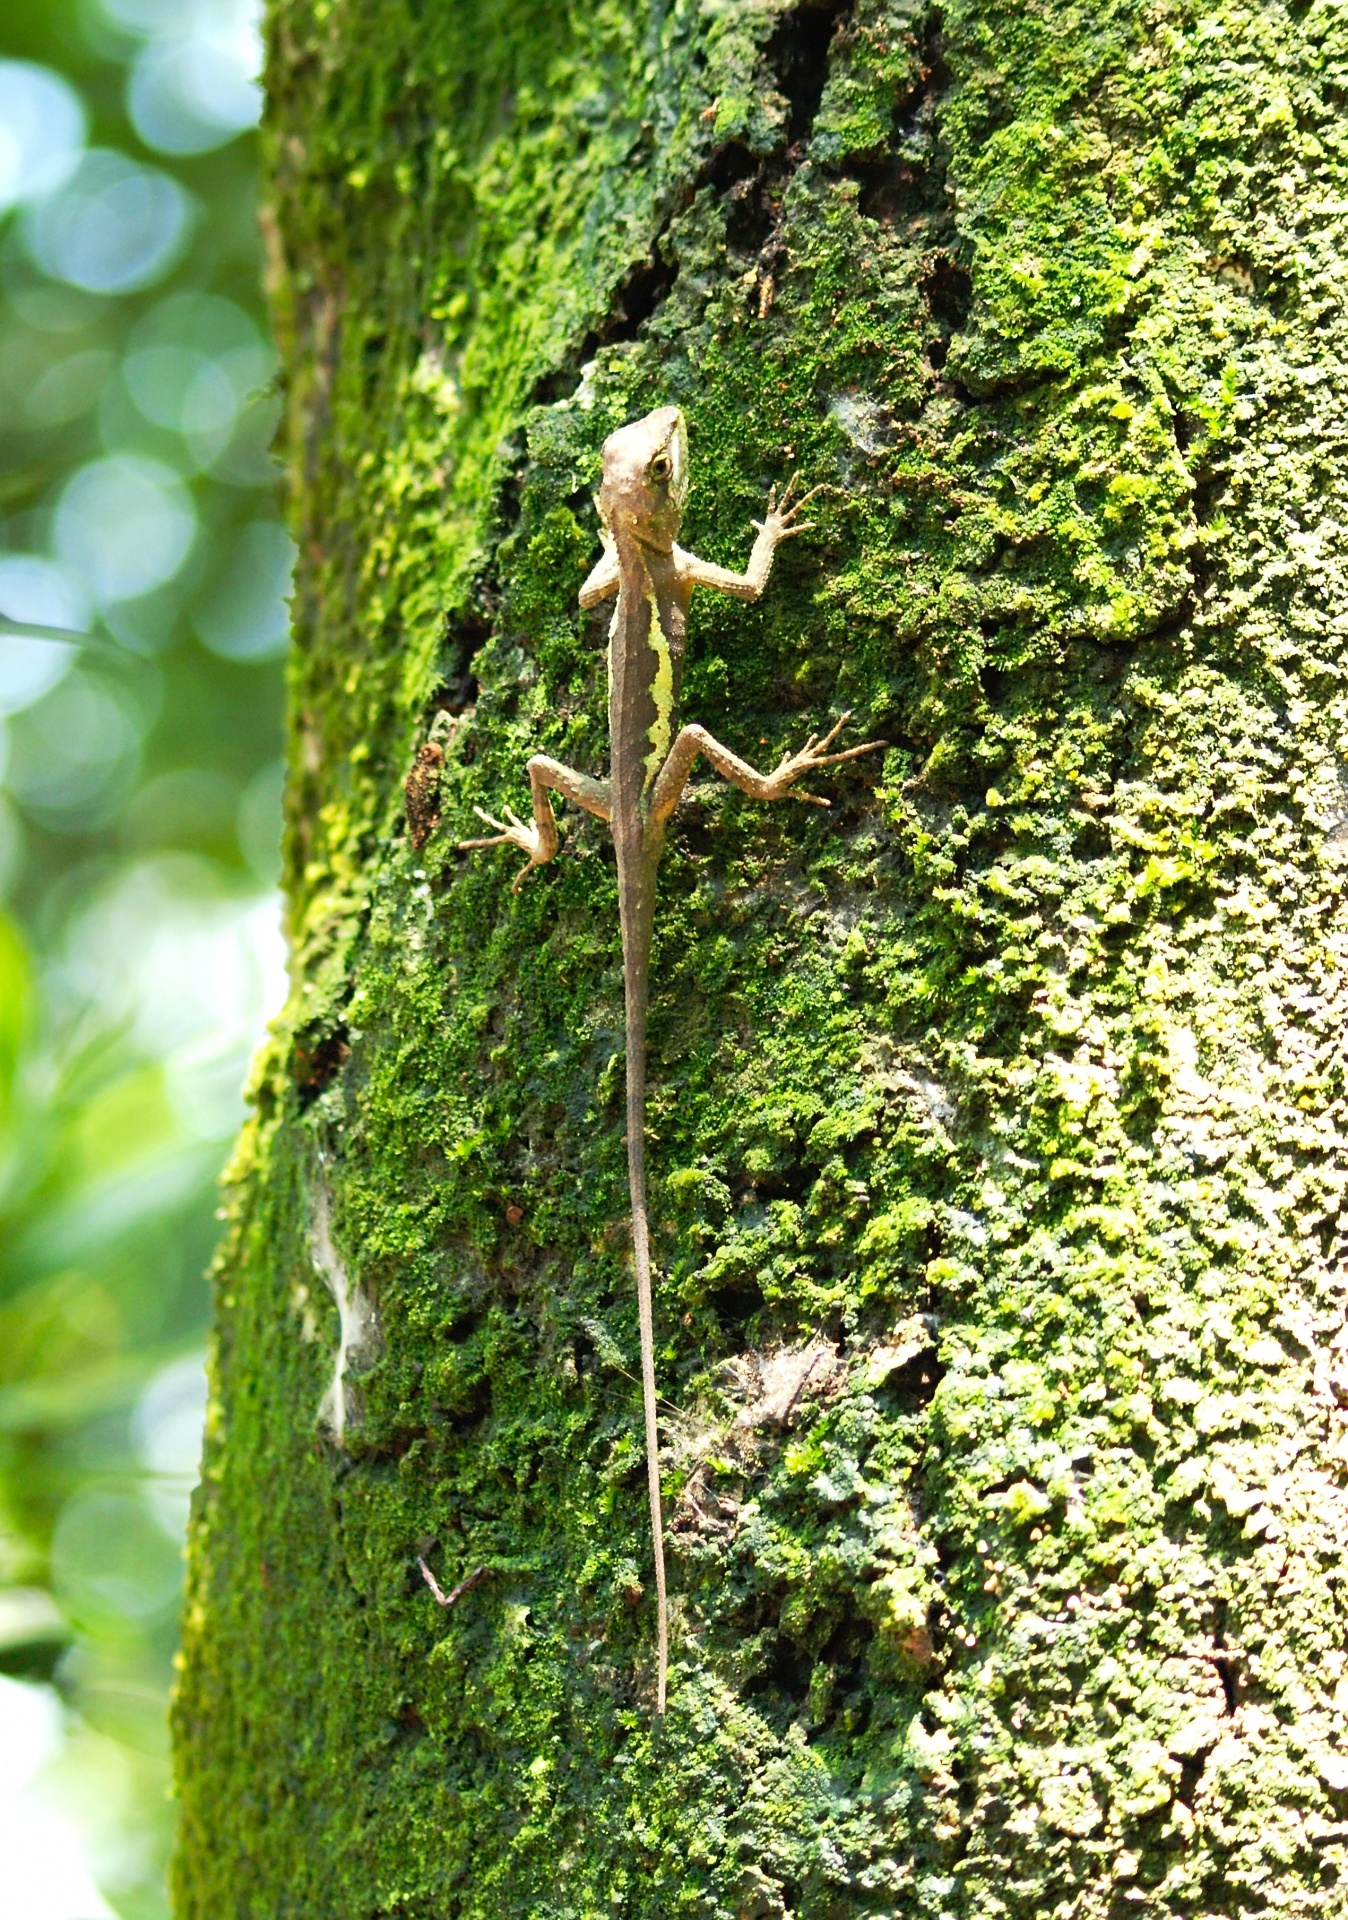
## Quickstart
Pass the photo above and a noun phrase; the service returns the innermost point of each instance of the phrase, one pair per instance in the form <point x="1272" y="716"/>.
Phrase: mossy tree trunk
<point x="996" y="1123"/>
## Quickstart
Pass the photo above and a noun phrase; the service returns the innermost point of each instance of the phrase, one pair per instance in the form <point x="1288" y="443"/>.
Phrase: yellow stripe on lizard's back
<point x="662" y="692"/>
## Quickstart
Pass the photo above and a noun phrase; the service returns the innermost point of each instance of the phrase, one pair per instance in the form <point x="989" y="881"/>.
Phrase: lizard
<point x="641" y="501"/>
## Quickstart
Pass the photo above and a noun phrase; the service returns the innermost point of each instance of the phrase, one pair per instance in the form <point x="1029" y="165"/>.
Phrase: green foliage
<point x="139" y="801"/>
<point x="1007" y="1095"/>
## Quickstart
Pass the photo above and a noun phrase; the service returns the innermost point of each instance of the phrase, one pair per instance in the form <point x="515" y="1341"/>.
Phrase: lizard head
<point x="645" y="480"/>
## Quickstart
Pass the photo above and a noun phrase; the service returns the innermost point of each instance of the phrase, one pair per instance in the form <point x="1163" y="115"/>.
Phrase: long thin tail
<point x="641" y="1246"/>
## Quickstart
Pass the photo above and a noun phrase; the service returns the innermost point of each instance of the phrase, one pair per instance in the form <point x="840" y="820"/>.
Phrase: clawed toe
<point x="510" y="832"/>
<point x="814" y="754"/>
<point x="819" y="757"/>
<point x="855" y="753"/>
<point x="497" y="839"/>
<point x="786" y="509"/>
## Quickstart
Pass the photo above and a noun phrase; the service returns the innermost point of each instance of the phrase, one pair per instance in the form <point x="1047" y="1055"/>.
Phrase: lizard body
<point x="641" y="500"/>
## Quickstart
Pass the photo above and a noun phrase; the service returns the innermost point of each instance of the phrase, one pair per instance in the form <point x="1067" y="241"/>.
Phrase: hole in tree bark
<point x="798" y="56"/>
<point x="948" y="291"/>
<point x="316" y="1060"/>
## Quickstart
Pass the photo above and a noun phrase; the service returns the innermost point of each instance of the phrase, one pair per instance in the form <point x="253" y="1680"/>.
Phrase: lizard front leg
<point x="782" y="522"/>
<point x="604" y="577"/>
<point x="539" y="837"/>
<point x="692" y="741"/>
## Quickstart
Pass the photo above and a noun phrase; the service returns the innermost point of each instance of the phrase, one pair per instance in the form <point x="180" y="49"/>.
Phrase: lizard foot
<point x="511" y="832"/>
<point x="781" y="520"/>
<point x="813" y="754"/>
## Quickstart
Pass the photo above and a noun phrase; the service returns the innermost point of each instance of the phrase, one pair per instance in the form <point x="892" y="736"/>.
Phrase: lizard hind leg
<point x="539" y="838"/>
<point x="776" y="785"/>
<point x="513" y="834"/>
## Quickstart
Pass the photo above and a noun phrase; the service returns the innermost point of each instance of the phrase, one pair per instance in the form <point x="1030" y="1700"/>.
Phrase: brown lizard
<point x="641" y="501"/>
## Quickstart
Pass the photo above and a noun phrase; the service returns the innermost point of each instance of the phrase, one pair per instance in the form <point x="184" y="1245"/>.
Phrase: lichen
<point x="1014" y="1082"/>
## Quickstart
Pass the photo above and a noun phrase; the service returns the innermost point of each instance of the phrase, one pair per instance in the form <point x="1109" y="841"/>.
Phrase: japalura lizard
<point x="641" y="501"/>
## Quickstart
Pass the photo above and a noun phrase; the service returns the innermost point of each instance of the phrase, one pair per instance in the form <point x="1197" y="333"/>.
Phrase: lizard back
<point x="646" y="644"/>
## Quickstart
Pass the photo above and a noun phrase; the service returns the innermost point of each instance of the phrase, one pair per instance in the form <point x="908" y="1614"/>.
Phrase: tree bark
<point x="996" y="1125"/>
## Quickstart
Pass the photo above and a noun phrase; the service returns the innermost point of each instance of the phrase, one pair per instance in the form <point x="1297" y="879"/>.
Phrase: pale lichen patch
<point x="357" y="1324"/>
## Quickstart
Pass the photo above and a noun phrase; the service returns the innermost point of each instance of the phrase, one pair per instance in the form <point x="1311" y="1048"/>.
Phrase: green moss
<point x="1010" y="1089"/>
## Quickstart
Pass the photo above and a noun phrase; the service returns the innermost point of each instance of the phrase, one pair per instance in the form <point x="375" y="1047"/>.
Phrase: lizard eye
<point x="661" y="467"/>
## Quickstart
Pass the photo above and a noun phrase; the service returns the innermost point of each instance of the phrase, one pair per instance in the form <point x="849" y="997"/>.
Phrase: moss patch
<point x="1005" y="1098"/>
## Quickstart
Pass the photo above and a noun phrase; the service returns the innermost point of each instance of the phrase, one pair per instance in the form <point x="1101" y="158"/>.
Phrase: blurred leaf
<point x="16" y="1003"/>
<point x="67" y="1399"/>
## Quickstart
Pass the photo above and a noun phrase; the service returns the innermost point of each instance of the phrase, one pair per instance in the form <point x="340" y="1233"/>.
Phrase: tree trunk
<point x="996" y="1114"/>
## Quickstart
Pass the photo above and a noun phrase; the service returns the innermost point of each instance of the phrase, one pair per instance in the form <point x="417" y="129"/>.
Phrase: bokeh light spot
<point x="124" y="525"/>
<point x="32" y="588"/>
<point x="29" y="668"/>
<point x="196" y="90"/>
<point x="195" y="362"/>
<point x="247" y="614"/>
<point x="168" y="1424"/>
<point x="115" y="226"/>
<point x="74" y="754"/>
<point x="68" y="388"/>
<point x="110" y="1556"/>
<point x="41" y="131"/>
<point x="259" y="822"/>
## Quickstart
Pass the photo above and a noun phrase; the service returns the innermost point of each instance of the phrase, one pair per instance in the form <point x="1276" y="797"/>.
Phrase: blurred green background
<point x="140" y="950"/>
